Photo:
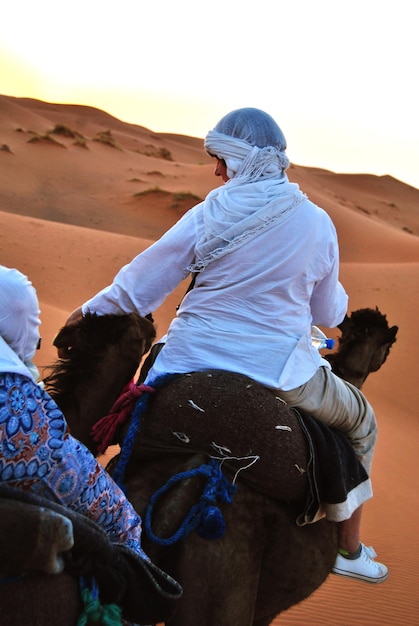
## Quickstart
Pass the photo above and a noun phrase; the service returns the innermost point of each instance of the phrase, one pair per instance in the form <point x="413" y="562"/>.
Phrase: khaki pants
<point x="338" y="403"/>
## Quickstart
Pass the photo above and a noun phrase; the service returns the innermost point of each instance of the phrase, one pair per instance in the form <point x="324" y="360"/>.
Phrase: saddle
<point x="275" y="449"/>
<point x="145" y="593"/>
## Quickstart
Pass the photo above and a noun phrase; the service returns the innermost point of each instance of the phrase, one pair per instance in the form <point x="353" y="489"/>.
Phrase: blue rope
<point x="204" y="515"/>
<point x="134" y="428"/>
<point x="12" y="578"/>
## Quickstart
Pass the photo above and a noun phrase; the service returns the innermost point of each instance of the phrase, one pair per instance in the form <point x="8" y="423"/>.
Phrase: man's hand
<point x="74" y="317"/>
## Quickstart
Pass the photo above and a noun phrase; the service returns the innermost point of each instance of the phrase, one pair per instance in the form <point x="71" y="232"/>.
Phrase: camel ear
<point x="344" y="323"/>
<point x="149" y="331"/>
<point x="392" y="332"/>
<point x="64" y="337"/>
<point x="64" y="340"/>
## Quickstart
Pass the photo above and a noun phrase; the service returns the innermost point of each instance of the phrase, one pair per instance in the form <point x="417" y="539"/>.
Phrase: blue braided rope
<point x="12" y="578"/>
<point x="140" y="408"/>
<point x="203" y="515"/>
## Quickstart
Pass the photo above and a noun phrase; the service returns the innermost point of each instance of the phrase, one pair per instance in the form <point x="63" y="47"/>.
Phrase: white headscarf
<point x="19" y="322"/>
<point x="258" y="192"/>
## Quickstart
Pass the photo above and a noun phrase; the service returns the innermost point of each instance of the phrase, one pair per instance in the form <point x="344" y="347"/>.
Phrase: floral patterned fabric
<point x="37" y="453"/>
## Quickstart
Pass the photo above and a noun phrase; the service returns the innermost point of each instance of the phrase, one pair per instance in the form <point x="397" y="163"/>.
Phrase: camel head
<point x="94" y="347"/>
<point x="363" y="346"/>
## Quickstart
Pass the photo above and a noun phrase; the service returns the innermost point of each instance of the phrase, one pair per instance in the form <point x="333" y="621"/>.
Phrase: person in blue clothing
<point x="37" y="452"/>
<point x="39" y="455"/>
<point x="266" y="265"/>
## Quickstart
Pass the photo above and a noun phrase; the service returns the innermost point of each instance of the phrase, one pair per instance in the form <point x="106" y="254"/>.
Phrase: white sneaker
<point x="362" y="568"/>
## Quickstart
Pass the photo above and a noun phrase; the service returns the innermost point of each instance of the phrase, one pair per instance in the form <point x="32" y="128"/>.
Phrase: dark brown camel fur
<point x="265" y="562"/>
<point x="364" y="345"/>
<point x="102" y="354"/>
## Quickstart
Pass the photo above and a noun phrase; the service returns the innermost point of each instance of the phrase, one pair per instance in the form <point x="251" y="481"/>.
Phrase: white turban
<point x="251" y="144"/>
<point x="19" y="313"/>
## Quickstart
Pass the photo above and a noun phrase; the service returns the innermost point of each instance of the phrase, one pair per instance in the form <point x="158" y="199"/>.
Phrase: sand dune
<point x="75" y="206"/>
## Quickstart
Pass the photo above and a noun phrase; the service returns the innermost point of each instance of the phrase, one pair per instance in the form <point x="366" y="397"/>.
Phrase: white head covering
<point x="251" y="144"/>
<point x="19" y="321"/>
<point x="258" y="193"/>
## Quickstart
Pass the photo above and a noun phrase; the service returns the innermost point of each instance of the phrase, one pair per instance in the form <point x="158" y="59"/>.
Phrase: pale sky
<point x="340" y="78"/>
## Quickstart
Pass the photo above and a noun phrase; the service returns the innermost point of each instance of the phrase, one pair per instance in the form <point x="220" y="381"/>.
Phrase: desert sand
<point x="81" y="193"/>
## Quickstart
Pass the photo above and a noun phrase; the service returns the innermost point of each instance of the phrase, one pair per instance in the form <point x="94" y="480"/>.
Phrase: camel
<point x="261" y="561"/>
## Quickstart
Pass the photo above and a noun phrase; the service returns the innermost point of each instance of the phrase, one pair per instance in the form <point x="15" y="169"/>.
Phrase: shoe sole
<point x="365" y="579"/>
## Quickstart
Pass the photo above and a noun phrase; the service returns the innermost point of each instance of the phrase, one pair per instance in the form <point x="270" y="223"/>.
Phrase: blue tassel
<point x="93" y="610"/>
<point x="204" y="515"/>
<point x="212" y="524"/>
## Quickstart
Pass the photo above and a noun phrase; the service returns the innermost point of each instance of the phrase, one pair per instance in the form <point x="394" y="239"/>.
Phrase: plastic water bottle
<point x="319" y="339"/>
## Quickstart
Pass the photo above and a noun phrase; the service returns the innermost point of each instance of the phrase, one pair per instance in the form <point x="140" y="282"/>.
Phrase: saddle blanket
<point x="259" y="440"/>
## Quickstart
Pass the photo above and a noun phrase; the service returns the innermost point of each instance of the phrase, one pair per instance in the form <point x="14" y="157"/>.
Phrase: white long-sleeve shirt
<point x="251" y="310"/>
